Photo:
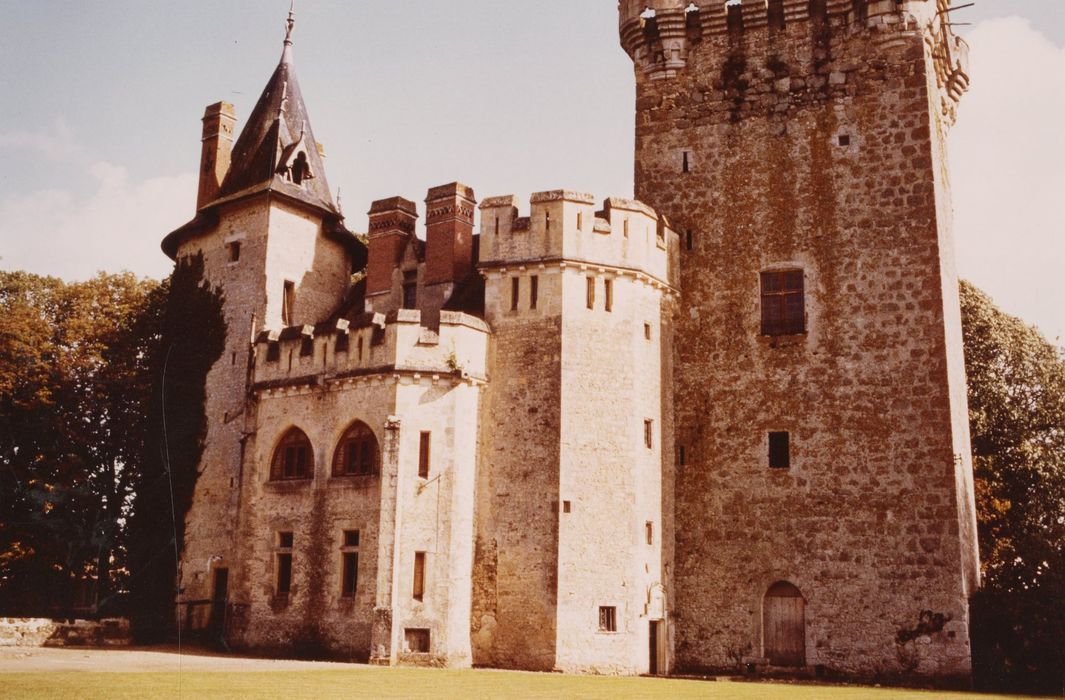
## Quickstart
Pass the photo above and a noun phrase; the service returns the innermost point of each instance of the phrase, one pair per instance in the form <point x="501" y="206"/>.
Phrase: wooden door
<point x="653" y="644"/>
<point x="217" y="623"/>
<point x="784" y="625"/>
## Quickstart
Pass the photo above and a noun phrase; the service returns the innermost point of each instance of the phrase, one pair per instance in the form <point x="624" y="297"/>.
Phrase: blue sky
<point x="99" y="128"/>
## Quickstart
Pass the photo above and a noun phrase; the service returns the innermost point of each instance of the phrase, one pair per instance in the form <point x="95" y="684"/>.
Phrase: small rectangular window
<point x="625" y="228"/>
<point x="288" y="303"/>
<point x="514" y="289"/>
<point x="410" y="295"/>
<point x="417" y="640"/>
<point x="284" y="540"/>
<point x="418" y="592"/>
<point x="647" y="331"/>
<point x="423" y="455"/>
<point x="567" y="507"/>
<point x="580" y="221"/>
<point x="783" y="302"/>
<point x="350" y="579"/>
<point x="534" y="291"/>
<point x="689" y="240"/>
<point x="649" y="528"/>
<point x="590" y="286"/>
<point x="684" y="166"/>
<point x="608" y="618"/>
<point x="351" y="538"/>
<point x="779" y="450"/>
<point x="648" y="433"/>
<point x="608" y="294"/>
<point x="234" y="251"/>
<point x="547" y="220"/>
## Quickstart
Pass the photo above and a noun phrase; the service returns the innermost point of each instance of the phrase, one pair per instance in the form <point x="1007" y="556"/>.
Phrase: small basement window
<point x="779" y="450"/>
<point x="417" y="640"/>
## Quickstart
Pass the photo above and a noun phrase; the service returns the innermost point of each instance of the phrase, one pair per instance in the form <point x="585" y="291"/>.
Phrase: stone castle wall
<point x="813" y="145"/>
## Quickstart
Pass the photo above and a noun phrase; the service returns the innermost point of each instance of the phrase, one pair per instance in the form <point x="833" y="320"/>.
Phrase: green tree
<point x="191" y="339"/>
<point x="71" y="388"/>
<point x="1017" y="421"/>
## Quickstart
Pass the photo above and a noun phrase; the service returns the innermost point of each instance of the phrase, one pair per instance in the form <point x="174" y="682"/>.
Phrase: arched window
<point x="357" y="453"/>
<point x="293" y="458"/>
<point x="784" y="625"/>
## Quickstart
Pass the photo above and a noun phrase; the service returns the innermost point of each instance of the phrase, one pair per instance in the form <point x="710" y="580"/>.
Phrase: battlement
<point x="566" y="226"/>
<point x="373" y="346"/>
<point x="797" y="38"/>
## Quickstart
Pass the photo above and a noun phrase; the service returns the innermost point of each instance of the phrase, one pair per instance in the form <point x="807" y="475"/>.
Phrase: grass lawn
<point x="419" y="683"/>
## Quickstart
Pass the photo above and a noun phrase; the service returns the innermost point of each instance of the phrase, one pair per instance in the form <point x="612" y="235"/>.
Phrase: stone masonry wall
<point x="46" y="632"/>
<point x="817" y="146"/>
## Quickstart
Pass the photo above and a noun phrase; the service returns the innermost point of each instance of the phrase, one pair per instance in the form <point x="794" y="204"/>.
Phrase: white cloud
<point x="1008" y="172"/>
<point x="57" y="143"/>
<point x="118" y="226"/>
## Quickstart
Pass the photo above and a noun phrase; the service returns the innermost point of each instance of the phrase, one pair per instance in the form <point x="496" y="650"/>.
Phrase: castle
<point x="722" y="427"/>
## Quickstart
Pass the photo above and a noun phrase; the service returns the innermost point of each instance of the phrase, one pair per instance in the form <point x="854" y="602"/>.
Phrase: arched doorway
<point x="784" y="625"/>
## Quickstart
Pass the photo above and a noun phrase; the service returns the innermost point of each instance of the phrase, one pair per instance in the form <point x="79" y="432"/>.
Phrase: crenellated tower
<point x="824" y="506"/>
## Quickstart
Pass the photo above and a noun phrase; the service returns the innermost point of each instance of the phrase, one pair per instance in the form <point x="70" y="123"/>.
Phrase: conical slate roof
<point x="268" y="152"/>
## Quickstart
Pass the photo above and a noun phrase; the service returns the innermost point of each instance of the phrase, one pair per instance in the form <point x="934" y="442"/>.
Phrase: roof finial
<point x="290" y="23"/>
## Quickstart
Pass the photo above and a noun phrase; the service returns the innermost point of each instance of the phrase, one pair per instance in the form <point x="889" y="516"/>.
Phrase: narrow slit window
<point x="418" y="591"/>
<point x="608" y="295"/>
<point x="689" y="240"/>
<point x="649" y="530"/>
<point x="580" y="221"/>
<point x="288" y="303"/>
<point x="514" y="288"/>
<point x="648" y="433"/>
<point x="534" y="290"/>
<point x="284" y="563"/>
<point x="590" y="289"/>
<point x="625" y="228"/>
<point x="647" y="331"/>
<point x="684" y="165"/>
<point x="547" y="220"/>
<point x="779" y="450"/>
<point x="423" y="455"/>
<point x="497" y="225"/>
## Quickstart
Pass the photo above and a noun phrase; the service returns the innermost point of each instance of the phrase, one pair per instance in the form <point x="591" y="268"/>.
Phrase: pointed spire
<point x="290" y="24"/>
<point x="276" y="149"/>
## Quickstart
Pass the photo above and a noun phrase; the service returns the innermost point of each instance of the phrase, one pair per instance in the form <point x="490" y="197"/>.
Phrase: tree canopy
<point x="1017" y="424"/>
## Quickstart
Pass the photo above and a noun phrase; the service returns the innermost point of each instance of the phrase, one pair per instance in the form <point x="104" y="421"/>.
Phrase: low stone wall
<point x="45" y="632"/>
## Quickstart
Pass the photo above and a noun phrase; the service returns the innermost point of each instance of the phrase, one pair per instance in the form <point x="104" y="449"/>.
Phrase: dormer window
<point x="300" y="170"/>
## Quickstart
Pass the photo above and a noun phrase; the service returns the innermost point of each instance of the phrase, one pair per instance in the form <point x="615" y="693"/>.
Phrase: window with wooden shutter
<point x="293" y="458"/>
<point x="783" y="302"/>
<point x="357" y="453"/>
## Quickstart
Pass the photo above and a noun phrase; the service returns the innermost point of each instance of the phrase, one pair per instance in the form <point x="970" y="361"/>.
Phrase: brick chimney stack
<point x="391" y="224"/>
<point x="219" y="121"/>
<point x="449" y="233"/>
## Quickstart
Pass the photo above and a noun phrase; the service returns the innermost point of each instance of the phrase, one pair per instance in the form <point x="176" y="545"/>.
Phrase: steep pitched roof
<point x="276" y="149"/>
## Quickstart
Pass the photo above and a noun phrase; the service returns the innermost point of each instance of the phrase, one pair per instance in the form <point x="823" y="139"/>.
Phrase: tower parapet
<point x="566" y="226"/>
<point x="659" y="35"/>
